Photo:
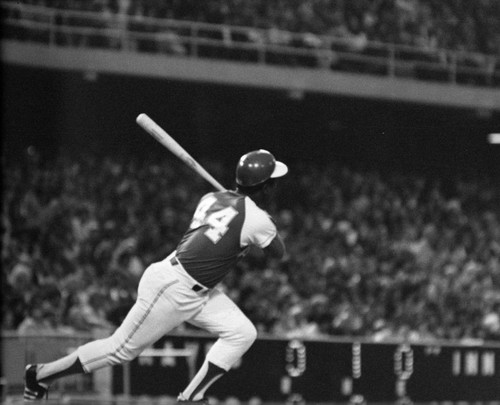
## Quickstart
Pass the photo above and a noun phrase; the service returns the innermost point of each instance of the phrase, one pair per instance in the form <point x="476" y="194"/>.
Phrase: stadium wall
<point x="295" y="370"/>
<point x="334" y="370"/>
<point x="293" y="79"/>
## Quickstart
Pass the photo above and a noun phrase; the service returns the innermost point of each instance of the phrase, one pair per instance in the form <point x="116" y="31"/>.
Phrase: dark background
<point x="430" y="372"/>
<point x="54" y="109"/>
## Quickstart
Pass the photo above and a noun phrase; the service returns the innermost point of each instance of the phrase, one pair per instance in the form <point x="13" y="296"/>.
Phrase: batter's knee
<point x="232" y="344"/>
<point x="247" y="332"/>
<point x="125" y="354"/>
<point x="106" y="352"/>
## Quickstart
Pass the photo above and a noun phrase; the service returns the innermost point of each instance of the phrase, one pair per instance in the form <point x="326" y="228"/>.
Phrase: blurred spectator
<point x="87" y="311"/>
<point x="36" y="321"/>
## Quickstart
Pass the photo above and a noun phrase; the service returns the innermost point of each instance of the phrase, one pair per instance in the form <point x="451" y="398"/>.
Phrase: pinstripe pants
<point x="165" y="300"/>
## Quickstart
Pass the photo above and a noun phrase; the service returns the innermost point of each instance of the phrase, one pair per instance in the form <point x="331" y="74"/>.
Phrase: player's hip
<point x="174" y="283"/>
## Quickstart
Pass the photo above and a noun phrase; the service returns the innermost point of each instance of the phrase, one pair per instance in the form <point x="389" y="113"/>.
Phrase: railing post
<point x="325" y="55"/>
<point x="123" y="38"/>
<point x="261" y="51"/>
<point x="392" y="61"/>
<point x="126" y="379"/>
<point x="122" y="33"/>
<point x="52" y="29"/>
<point x="490" y="70"/>
<point x="453" y="68"/>
<point x="194" y="41"/>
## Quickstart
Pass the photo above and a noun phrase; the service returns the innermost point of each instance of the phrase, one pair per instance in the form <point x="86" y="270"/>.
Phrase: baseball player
<point x="183" y="287"/>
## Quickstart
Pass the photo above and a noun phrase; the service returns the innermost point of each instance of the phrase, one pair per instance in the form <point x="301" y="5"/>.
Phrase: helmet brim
<point x="279" y="170"/>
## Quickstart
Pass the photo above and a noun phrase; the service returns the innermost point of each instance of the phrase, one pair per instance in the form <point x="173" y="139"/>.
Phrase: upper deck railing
<point x="70" y="28"/>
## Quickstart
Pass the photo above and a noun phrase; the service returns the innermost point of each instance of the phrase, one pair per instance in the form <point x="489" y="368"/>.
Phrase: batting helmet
<point x="258" y="166"/>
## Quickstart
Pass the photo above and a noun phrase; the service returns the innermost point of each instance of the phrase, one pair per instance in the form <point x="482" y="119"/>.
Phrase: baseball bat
<point x="171" y="144"/>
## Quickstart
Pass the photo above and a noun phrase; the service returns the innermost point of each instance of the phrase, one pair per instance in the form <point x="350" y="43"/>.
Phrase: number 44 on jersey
<point x="217" y="221"/>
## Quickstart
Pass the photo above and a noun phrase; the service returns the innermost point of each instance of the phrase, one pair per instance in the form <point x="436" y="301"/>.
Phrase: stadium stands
<point x="456" y="41"/>
<point x="385" y="256"/>
<point x="459" y="25"/>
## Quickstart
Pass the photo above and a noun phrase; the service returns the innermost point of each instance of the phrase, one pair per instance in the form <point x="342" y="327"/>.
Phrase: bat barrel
<point x="171" y="144"/>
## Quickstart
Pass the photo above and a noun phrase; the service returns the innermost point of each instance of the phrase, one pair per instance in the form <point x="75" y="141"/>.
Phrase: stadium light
<point x="494" y="139"/>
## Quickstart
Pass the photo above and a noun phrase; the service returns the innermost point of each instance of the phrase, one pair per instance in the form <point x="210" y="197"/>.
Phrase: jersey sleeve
<point x="258" y="228"/>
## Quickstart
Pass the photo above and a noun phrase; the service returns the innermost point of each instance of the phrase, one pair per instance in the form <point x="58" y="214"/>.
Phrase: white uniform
<point x="181" y="288"/>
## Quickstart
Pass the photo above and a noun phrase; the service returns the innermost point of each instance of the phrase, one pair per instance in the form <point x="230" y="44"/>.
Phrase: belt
<point x="196" y="287"/>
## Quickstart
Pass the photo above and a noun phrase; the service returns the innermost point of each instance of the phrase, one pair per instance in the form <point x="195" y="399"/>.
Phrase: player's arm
<point x="276" y="249"/>
<point x="260" y="230"/>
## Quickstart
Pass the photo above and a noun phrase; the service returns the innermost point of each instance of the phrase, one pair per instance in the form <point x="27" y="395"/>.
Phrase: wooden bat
<point x="171" y="144"/>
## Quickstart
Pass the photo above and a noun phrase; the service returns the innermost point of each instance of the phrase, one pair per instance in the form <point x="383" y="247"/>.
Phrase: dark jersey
<point x="223" y="226"/>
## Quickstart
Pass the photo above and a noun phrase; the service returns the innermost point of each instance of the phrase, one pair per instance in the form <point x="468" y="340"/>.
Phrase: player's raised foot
<point x="184" y="401"/>
<point x="33" y="390"/>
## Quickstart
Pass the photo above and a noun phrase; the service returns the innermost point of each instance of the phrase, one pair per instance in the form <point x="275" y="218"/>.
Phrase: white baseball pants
<point x="165" y="300"/>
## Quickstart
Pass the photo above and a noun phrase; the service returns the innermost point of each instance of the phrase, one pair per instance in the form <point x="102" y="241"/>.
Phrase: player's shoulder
<point x="251" y="203"/>
<point x="207" y="195"/>
<point x="253" y="211"/>
<point x="222" y="198"/>
<point x="226" y="195"/>
<point x="258" y="227"/>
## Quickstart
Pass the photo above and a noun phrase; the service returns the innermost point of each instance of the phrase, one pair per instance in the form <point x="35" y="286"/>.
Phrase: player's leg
<point x="236" y="334"/>
<point x="154" y="314"/>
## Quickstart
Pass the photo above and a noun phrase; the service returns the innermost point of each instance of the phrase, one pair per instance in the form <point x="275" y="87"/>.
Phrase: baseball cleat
<point x="184" y="401"/>
<point x="33" y="390"/>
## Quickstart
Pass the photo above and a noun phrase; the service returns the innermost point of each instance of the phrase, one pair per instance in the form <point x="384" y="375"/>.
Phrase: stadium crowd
<point x="462" y="25"/>
<point x="382" y="255"/>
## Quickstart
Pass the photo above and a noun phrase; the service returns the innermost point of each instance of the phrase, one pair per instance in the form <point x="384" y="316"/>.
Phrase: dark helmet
<point x="258" y="166"/>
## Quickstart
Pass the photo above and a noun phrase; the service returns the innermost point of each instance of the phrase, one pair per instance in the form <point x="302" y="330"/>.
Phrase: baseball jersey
<point x="224" y="224"/>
